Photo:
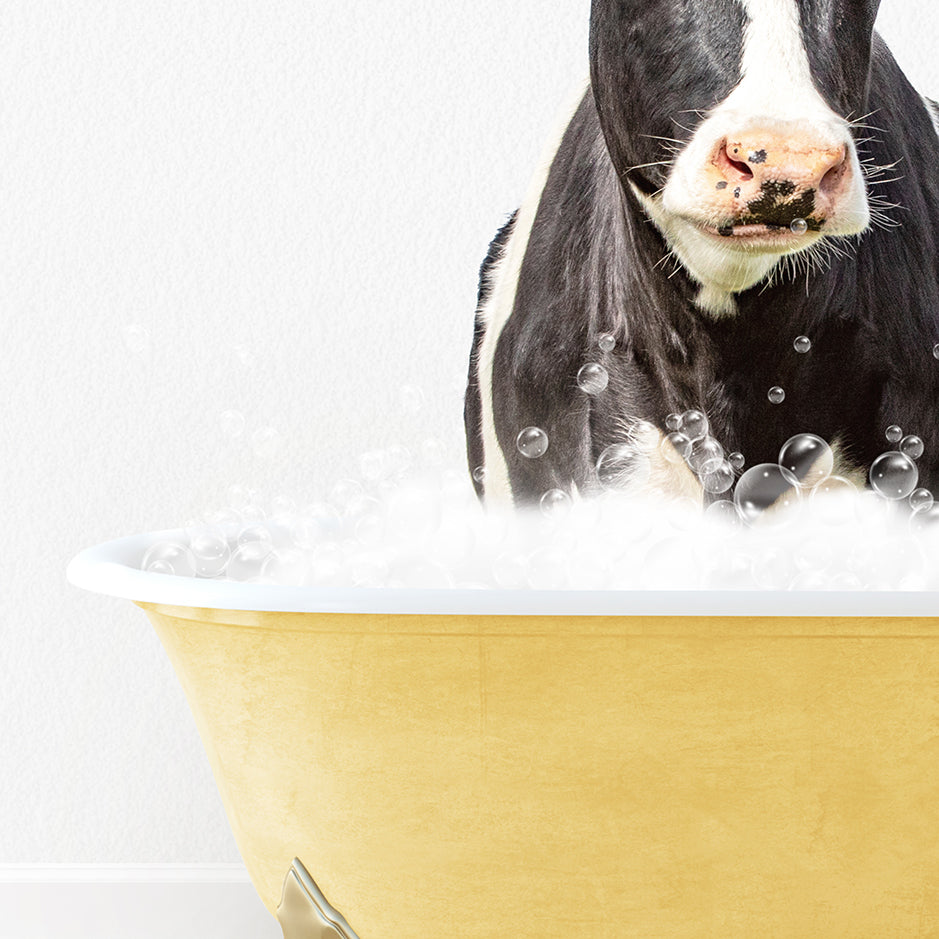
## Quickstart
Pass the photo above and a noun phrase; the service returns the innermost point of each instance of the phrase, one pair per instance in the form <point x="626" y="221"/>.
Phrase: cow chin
<point x="726" y="263"/>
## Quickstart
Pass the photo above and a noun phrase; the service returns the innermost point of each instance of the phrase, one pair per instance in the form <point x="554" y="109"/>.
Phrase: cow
<point x="740" y="222"/>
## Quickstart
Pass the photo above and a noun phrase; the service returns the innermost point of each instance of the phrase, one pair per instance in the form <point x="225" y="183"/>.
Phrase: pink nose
<point x="765" y="175"/>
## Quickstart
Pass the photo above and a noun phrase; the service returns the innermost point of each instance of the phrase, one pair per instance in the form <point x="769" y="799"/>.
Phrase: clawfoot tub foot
<point x="304" y="913"/>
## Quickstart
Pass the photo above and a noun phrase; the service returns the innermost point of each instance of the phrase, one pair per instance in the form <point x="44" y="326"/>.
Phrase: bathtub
<point x="474" y="764"/>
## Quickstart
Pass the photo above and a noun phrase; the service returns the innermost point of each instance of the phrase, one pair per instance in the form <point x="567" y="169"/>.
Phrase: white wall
<point x="292" y="199"/>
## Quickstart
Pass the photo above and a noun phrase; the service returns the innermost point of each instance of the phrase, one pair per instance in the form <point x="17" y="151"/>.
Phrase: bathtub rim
<point x="108" y="569"/>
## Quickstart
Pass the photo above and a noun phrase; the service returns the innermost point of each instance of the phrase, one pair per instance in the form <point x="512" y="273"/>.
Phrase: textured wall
<point x="277" y="208"/>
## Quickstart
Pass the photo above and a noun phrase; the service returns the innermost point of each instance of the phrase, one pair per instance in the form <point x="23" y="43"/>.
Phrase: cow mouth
<point x="760" y="233"/>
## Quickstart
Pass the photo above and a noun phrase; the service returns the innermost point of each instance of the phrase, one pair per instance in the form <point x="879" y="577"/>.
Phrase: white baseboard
<point x="148" y="901"/>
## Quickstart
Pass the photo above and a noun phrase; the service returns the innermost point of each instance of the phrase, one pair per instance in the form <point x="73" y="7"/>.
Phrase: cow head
<point x="731" y="121"/>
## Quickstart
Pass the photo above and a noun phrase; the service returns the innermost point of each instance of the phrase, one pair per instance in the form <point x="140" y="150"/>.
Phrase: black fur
<point x="472" y="417"/>
<point x="591" y="267"/>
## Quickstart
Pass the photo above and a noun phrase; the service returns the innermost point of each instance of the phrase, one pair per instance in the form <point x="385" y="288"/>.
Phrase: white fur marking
<point x="498" y="308"/>
<point x="776" y="87"/>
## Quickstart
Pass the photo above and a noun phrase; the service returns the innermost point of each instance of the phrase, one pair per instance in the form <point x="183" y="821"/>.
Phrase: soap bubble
<point x="266" y="443"/>
<point x="254" y="533"/>
<point x="547" y="568"/>
<point x="359" y="507"/>
<point x="894" y="475"/>
<point x="414" y="511"/>
<point x="706" y="455"/>
<point x="935" y="350"/>
<point x="343" y="491"/>
<point x="369" y="569"/>
<point x="210" y="552"/>
<point x="593" y="378"/>
<point x="532" y="443"/>
<point x="621" y="465"/>
<point x="373" y="466"/>
<point x="776" y="395"/>
<point x="807" y="457"/>
<point x="169" y="557"/>
<point x="894" y="433"/>
<point x="799" y="226"/>
<point x="693" y="424"/>
<point x="136" y="339"/>
<point x="399" y="459"/>
<point x="723" y="512"/>
<point x="833" y="500"/>
<point x="765" y="488"/>
<point x="774" y="568"/>
<point x="673" y="422"/>
<point x="736" y="460"/>
<point x="283" y="507"/>
<point x="327" y="563"/>
<point x="433" y="453"/>
<point x="555" y="503"/>
<point x="607" y="342"/>
<point x="719" y="479"/>
<point x="251" y="514"/>
<point x="912" y="446"/>
<point x="247" y="559"/>
<point x="423" y="574"/>
<point x="812" y="554"/>
<point x="319" y="521"/>
<point x="231" y="423"/>
<point x="676" y="447"/>
<point x="509" y="571"/>
<point x="287" y="566"/>
<point x="239" y="496"/>
<point x="370" y="527"/>
<point x="802" y="344"/>
<point x="921" y="499"/>
<point x="479" y="474"/>
<point x="244" y="354"/>
<point x="412" y="399"/>
<point x="221" y="518"/>
<point x="925" y="520"/>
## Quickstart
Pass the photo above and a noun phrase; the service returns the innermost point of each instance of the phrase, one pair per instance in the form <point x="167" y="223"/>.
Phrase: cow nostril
<point x="734" y="170"/>
<point x="742" y="168"/>
<point x="832" y="179"/>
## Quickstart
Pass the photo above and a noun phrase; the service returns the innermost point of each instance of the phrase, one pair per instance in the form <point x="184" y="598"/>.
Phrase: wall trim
<point x="123" y="873"/>
<point x="143" y="901"/>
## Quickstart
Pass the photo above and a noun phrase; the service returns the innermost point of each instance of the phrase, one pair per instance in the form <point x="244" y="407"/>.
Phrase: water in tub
<point x="413" y="520"/>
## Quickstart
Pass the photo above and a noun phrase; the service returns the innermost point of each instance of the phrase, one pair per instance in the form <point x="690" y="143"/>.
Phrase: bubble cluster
<point x="413" y="521"/>
<point x="428" y="531"/>
<point x="693" y="424"/>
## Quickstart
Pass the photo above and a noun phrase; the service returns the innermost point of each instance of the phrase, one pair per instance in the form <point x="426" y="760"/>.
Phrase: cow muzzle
<point x="779" y="181"/>
<point x="775" y="186"/>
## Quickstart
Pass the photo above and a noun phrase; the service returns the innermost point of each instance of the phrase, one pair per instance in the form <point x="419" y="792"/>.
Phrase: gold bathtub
<point x="480" y="774"/>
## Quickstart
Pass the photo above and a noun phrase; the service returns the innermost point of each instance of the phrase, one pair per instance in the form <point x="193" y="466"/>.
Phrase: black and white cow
<point x="738" y="173"/>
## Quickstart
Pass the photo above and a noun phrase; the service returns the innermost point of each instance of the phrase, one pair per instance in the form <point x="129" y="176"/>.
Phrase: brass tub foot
<point x="304" y="913"/>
